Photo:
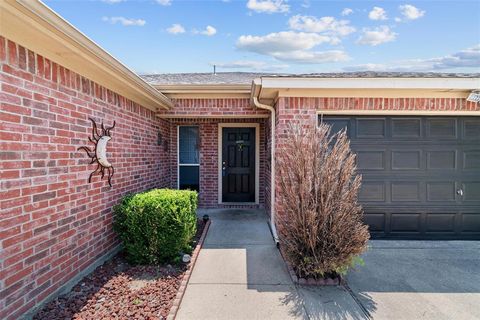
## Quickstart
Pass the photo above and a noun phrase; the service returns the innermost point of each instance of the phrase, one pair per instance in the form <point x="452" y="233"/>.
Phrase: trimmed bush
<point x="320" y="221"/>
<point x="155" y="226"/>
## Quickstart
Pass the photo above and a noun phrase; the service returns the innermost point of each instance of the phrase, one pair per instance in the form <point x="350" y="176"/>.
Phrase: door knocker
<point x="240" y="144"/>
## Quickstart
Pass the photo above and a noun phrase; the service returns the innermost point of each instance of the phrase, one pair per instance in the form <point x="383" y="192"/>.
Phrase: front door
<point x="238" y="165"/>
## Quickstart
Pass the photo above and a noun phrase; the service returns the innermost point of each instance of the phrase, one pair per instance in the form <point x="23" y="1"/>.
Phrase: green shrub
<point x="155" y="226"/>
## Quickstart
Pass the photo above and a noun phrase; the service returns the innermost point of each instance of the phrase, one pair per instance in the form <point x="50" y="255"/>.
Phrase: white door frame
<point x="256" y="126"/>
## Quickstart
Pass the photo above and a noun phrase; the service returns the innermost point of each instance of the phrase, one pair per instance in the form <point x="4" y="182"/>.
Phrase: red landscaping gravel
<point x="328" y="280"/>
<point x="117" y="290"/>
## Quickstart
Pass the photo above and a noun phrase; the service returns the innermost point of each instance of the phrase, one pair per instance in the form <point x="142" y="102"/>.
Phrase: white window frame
<point x="186" y="164"/>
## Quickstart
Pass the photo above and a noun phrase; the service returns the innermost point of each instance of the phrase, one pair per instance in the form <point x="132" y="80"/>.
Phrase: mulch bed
<point x="118" y="290"/>
<point x="328" y="280"/>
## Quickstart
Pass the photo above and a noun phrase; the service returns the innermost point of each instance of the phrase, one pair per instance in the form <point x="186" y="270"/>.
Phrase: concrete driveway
<point x="240" y="274"/>
<point x="419" y="280"/>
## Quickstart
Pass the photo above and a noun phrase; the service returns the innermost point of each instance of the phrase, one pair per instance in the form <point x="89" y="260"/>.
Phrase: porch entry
<point x="238" y="164"/>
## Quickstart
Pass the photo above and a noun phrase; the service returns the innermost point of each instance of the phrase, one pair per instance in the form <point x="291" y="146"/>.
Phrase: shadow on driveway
<point x="241" y="275"/>
<point x="420" y="279"/>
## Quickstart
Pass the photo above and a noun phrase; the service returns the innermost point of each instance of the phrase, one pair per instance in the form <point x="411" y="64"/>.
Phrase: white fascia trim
<point x="369" y="83"/>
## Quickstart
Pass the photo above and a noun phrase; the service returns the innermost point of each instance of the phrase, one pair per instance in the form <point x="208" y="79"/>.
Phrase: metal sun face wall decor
<point x="99" y="152"/>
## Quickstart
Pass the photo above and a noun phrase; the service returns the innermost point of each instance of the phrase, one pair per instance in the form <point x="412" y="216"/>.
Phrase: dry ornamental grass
<point x="320" y="222"/>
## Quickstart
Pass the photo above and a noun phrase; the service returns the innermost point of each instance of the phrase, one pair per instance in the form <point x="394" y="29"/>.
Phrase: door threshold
<point x="239" y="203"/>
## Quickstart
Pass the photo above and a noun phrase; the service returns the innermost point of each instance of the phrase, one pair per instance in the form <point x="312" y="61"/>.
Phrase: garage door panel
<point x="412" y="169"/>
<point x="405" y="222"/>
<point x="406" y="159"/>
<point x="444" y="128"/>
<point x="471" y="129"/>
<point x="440" y="222"/>
<point x="441" y="191"/>
<point x="471" y="222"/>
<point x="471" y="191"/>
<point x="406" y="127"/>
<point x="370" y="128"/>
<point x="375" y="221"/>
<point x="471" y="160"/>
<point x="338" y="124"/>
<point x="445" y="160"/>
<point x="371" y="160"/>
<point x="372" y="191"/>
<point x="405" y="191"/>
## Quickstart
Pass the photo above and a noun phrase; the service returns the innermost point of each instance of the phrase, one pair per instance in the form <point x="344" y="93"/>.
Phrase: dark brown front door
<point x="238" y="165"/>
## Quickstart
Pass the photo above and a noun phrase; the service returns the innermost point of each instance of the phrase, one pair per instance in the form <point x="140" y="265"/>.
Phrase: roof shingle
<point x="247" y="77"/>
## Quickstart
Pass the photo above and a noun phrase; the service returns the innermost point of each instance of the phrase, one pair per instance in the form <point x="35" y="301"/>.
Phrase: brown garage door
<point x="421" y="175"/>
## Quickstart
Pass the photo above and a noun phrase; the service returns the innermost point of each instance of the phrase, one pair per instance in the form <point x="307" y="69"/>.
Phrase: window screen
<point x="188" y="145"/>
<point x="188" y="158"/>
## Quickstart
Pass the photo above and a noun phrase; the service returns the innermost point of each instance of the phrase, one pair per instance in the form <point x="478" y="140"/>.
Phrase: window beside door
<point x="188" y="158"/>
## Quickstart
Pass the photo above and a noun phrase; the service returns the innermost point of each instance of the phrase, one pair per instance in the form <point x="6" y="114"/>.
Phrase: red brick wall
<point x="208" y="128"/>
<point x="215" y="107"/>
<point x="268" y="164"/>
<point x="53" y="223"/>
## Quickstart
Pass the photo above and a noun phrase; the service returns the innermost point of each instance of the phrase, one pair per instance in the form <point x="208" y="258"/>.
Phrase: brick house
<point x="416" y="136"/>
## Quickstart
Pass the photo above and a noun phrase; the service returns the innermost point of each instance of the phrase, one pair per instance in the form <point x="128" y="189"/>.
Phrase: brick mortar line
<point x="172" y="314"/>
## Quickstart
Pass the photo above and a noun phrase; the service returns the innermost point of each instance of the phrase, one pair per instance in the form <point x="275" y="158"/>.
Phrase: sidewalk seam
<point x="357" y="301"/>
<point x="243" y="284"/>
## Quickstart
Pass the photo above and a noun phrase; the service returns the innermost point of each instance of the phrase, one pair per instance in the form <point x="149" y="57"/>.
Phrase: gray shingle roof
<point x="204" y="78"/>
<point x="247" y="77"/>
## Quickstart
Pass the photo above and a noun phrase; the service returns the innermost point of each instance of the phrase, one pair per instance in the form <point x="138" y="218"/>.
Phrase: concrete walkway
<point x="240" y="274"/>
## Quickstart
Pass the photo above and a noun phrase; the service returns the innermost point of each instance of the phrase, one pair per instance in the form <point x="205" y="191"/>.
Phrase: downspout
<point x="272" y="165"/>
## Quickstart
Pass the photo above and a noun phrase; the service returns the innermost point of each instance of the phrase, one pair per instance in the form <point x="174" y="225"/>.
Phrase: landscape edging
<point x="186" y="277"/>
<point x="310" y="281"/>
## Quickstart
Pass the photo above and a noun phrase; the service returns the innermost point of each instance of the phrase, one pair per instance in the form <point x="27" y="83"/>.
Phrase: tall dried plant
<point x="320" y="221"/>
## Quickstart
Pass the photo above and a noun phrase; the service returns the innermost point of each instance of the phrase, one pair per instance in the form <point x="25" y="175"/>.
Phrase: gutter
<point x="438" y="83"/>
<point x="256" y="103"/>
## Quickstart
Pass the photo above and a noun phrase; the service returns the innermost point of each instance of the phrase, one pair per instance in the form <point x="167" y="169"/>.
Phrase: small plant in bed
<point x="320" y="221"/>
<point x="156" y="226"/>
<point x="142" y="281"/>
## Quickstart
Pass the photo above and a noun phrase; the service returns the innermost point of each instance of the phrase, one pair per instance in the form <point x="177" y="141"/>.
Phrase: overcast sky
<point x="165" y="36"/>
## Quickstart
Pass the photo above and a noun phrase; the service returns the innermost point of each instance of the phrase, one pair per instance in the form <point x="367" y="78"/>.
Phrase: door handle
<point x="460" y="192"/>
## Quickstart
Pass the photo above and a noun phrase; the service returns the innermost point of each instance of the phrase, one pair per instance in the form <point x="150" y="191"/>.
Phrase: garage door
<point x="421" y="175"/>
